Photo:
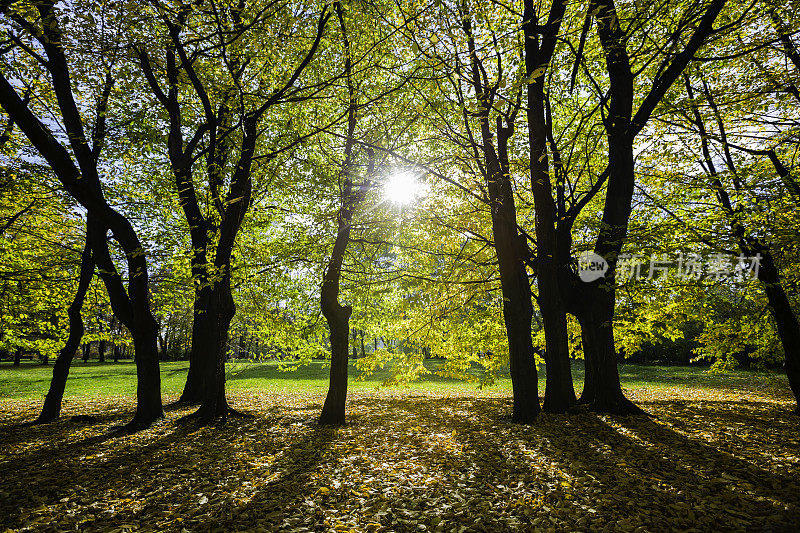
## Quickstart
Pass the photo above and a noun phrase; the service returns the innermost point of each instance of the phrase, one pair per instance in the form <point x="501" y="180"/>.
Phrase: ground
<point x="719" y="453"/>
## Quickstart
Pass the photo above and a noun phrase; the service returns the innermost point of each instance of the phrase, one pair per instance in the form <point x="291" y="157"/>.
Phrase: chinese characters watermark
<point x="691" y="266"/>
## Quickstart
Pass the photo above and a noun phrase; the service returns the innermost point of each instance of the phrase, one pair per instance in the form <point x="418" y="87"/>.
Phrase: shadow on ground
<point x="410" y="464"/>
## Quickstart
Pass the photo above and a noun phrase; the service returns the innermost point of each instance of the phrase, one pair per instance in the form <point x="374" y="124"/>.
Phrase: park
<point x="420" y="265"/>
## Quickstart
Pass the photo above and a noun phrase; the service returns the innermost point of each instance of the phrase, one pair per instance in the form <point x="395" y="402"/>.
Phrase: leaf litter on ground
<point x="408" y="462"/>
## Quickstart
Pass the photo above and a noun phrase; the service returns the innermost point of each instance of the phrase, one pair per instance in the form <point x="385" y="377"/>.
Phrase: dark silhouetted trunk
<point x="181" y="155"/>
<point x="509" y="244"/>
<point x="87" y="350"/>
<point x="83" y="183"/>
<point x="602" y="389"/>
<point x="51" y="409"/>
<point x="779" y="305"/>
<point x="517" y="305"/>
<point x="214" y="306"/>
<point x="214" y="404"/>
<point x="17" y="357"/>
<point x="622" y="126"/>
<point x="785" y="320"/>
<point x="559" y="392"/>
<point x="222" y="308"/>
<point x="101" y="351"/>
<point x="116" y="352"/>
<point x="132" y="307"/>
<point x="201" y="349"/>
<point x="337" y="315"/>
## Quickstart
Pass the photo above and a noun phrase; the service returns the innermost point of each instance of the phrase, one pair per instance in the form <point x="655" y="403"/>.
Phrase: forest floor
<point x="719" y="453"/>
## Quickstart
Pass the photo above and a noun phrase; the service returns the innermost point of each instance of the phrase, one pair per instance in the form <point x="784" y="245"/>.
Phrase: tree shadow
<point x="440" y="462"/>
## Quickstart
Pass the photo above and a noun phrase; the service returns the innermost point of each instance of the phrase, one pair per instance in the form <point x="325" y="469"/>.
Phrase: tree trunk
<point x="201" y="349"/>
<point x="517" y="306"/>
<point x="785" y="319"/>
<point x="600" y="295"/>
<point x="101" y="351"/>
<point x="779" y="304"/>
<point x="509" y="244"/>
<point x="337" y="315"/>
<point x="602" y="389"/>
<point x="148" y="383"/>
<point x="338" y="318"/>
<point x="222" y="309"/>
<point x="132" y="307"/>
<point x="597" y="322"/>
<point x="517" y="314"/>
<point x="622" y="126"/>
<point x="51" y="409"/>
<point x="116" y="352"/>
<point x="559" y="395"/>
<point x="82" y="181"/>
<point x="17" y="356"/>
<point x="559" y="392"/>
<point x="87" y="349"/>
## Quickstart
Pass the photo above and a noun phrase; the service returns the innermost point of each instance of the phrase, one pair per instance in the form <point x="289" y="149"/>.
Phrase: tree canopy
<point x="400" y="180"/>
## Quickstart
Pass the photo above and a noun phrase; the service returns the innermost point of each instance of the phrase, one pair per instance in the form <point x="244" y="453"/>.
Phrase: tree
<point x="229" y="128"/>
<point x="79" y="174"/>
<point x="602" y="390"/>
<point x="52" y="402"/>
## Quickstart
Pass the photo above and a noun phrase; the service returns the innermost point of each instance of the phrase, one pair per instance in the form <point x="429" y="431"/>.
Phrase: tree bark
<point x="509" y="244"/>
<point x="214" y="404"/>
<point x="181" y="154"/>
<point x="337" y="315"/>
<point x="559" y="391"/>
<point x="212" y="310"/>
<point x="202" y="347"/>
<point x="622" y="126"/>
<point x="51" y="409"/>
<point x="132" y="307"/>
<point x="786" y="321"/>
<point x="779" y="305"/>
<point x="81" y="178"/>
<point x="17" y="357"/>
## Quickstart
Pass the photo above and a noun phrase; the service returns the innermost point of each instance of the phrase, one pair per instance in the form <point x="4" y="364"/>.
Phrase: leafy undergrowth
<point x="408" y="462"/>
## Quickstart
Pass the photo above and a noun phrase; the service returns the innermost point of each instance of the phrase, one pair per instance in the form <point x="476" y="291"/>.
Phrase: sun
<point x="402" y="188"/>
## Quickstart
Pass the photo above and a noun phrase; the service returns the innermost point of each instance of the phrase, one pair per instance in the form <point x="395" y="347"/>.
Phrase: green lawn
<point x="720" y="453"/>
<point x="30" y="380"/>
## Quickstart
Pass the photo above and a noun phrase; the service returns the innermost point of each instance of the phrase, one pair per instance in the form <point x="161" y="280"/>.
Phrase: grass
<point x="720" y="453"/>
<point x="92" y="380"/>
<point x="440" y="463"/>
